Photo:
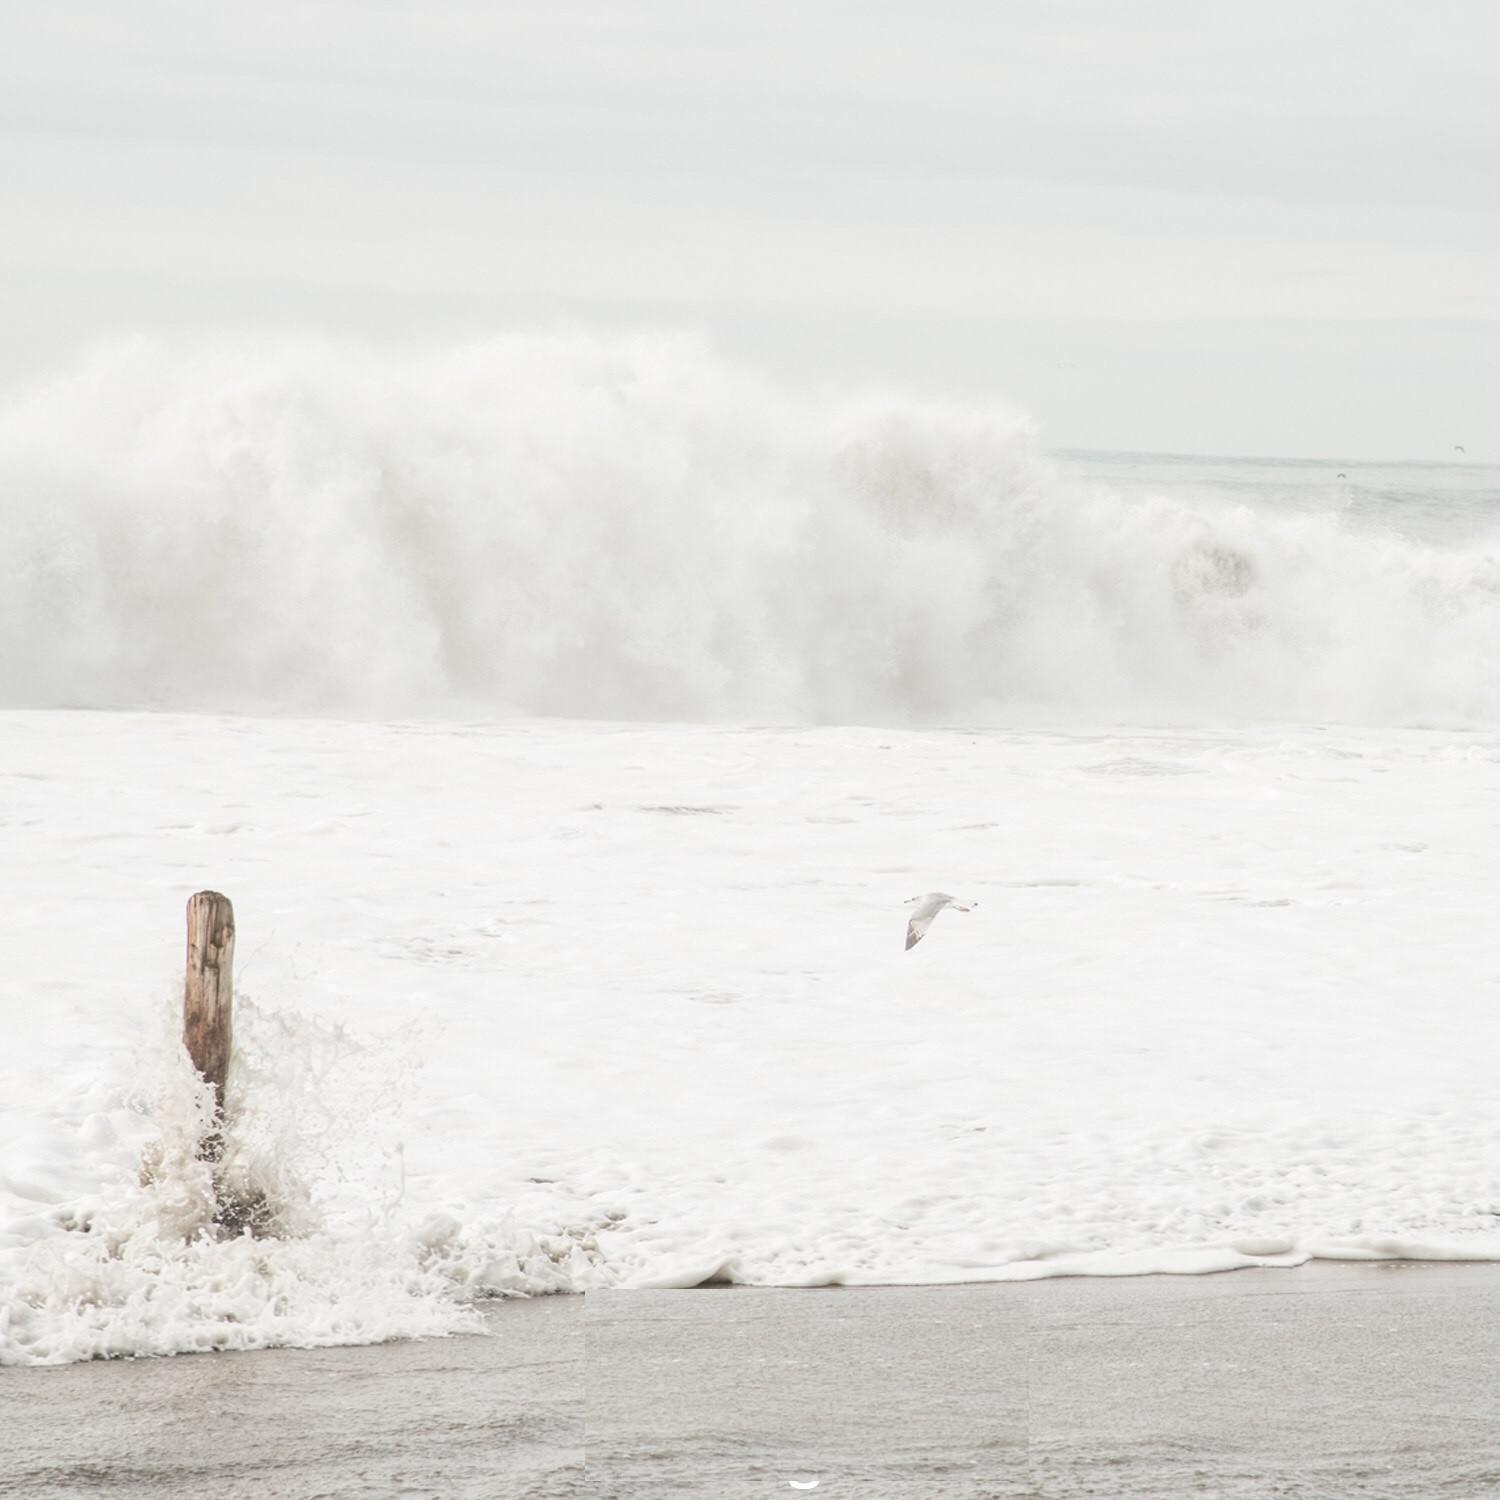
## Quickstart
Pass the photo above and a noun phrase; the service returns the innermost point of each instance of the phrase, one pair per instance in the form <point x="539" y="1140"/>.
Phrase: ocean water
<point x="634" y="530"/>
<point x="569" y="721"/>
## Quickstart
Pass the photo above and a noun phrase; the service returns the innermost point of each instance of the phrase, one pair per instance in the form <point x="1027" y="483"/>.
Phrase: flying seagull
<point x="928" y="907"/>
<point x="1459" y="448"/>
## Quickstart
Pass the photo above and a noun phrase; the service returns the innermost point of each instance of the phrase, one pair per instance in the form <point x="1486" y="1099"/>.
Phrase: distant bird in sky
<point x="1459" y="448"/>
<point x="928" y="907"/>
<point x="1343" y="476"/>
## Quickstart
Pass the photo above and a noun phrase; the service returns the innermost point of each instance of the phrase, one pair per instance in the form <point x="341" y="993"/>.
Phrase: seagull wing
<point x="927" y="908"/>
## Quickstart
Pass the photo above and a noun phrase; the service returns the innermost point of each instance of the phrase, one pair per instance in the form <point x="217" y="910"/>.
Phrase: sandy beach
<point x="1328" y="1380"/>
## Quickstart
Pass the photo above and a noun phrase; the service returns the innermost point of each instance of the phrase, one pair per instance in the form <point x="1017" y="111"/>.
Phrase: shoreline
<point x="1349" y="1379"/>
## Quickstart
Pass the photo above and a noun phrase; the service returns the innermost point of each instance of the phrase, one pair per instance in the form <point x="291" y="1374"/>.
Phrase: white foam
<point x="630" y="529"/>
<point x="135" y="1264"/>
<point x="545" y="1006"/>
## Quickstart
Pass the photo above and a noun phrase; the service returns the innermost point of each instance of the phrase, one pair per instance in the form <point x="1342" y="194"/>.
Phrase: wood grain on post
<point x="207" y="1020"/>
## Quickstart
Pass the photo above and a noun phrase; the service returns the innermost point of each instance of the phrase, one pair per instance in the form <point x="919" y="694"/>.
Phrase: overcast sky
<point x="1162" y="224"/>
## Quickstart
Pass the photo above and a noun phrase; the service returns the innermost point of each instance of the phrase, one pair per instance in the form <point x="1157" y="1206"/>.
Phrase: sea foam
<point x="630" y="528"/>
<point x="550" y="1005"/>
<point x="319" y="1250"/>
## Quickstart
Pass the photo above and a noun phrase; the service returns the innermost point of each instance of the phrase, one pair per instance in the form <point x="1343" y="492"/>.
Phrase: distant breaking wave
<point x="631" y="529"/>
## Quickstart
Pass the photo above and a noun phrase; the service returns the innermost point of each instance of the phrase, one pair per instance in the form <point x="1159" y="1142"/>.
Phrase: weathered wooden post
<point x="207" y="1004"/>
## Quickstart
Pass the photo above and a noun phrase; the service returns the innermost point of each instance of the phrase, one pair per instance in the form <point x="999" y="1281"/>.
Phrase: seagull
<point x="1459" y="448"/>
<point x="1343" y="476"/>
<point x="928" y="907"/>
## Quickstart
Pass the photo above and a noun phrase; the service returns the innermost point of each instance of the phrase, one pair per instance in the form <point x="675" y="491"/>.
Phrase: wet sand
<point x="475" y="1416"/>
<point x="1333" y="1380"/>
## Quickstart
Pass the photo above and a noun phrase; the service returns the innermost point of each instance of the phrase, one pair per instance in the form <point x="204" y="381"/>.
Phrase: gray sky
<point x="1159" y="224"/>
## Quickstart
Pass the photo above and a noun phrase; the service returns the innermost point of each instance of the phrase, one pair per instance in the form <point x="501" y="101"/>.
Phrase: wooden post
<point x="207" y="1022"/>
